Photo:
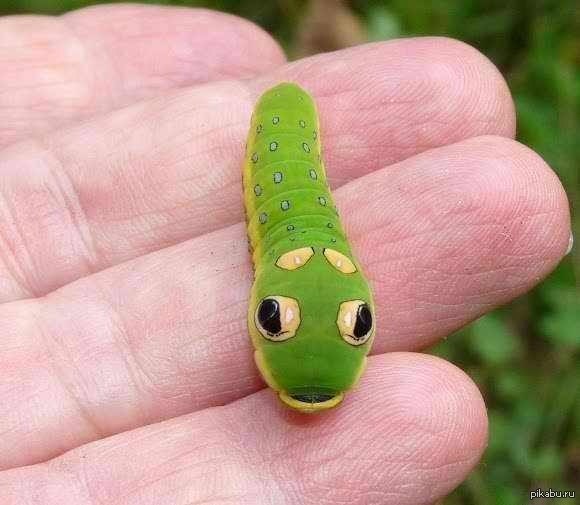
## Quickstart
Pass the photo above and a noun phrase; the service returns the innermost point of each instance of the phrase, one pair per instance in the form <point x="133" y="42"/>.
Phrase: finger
<point x="56" y="70"/>
<point x="411" y="432"/>
<point x="165" y="334"/>
<point x="155" y="174"/>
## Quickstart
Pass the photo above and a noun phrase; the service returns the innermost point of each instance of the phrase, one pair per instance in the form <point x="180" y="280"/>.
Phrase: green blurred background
<point x="525" y="357"/>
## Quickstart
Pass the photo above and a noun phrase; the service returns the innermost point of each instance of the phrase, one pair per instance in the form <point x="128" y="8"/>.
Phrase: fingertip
<point x="475" y="75"/>
<point x="438" y="399"/>
<point x="269" y="52"/>
<point x="410" y="411"/>
<point x="163" y="46"/>
<point x="537" y="194"/>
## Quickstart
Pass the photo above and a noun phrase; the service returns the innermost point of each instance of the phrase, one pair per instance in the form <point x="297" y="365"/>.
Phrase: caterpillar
<point x="311" y="313"/>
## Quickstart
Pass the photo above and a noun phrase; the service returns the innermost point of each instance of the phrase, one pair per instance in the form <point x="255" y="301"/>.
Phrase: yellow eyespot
<point x="339" y="261"/>
<point x="277" y="318"/>
<point x="355" y="322"/>
<point x="295" y="259"/>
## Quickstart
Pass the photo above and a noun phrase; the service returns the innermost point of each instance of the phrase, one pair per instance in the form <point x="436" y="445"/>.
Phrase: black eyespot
<point x="313" y="397"/>
<point x="364" y="321"/>
<point x="269" y="316"/>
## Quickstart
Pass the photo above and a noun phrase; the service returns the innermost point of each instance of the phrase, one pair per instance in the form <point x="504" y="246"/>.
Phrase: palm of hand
<point x="125" y="272"/>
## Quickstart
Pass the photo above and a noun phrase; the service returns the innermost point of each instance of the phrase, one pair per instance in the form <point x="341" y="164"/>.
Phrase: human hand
<point x="126" y="372"/>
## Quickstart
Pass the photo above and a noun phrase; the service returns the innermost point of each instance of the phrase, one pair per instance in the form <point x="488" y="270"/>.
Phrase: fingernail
<point x="570" y="244"/>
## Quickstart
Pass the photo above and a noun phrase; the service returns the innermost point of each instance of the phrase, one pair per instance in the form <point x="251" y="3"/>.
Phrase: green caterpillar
<point x="311" y="313"/>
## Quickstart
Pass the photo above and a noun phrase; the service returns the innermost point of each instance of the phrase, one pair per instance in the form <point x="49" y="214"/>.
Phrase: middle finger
<point x="164" y="171"/>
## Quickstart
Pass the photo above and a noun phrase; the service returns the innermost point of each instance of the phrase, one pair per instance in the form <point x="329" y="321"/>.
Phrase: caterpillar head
<point x="313" y="327"/>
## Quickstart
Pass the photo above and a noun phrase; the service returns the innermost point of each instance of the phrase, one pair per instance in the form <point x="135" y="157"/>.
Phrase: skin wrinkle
<point x="188" y="139"/>
<point x="434" y="267"/>
<point x="186" y="454"/>
<point x="85" y="394"/>
<point x="175" y="466"/>
<point x="54" y="353"/>
<point x="130" y="358"/>
<point x="83" y="478"/>
<point x="72" y="203"/>
<point x="17" y="270"/>
<point x="431" y="273"/>
<point x="357" y="100"/>
<point x="58" y="195"/>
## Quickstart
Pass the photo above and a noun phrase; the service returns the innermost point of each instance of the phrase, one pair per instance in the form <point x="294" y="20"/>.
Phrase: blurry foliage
<point x="327" y="25"/>
<point x="525" y="357"/>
